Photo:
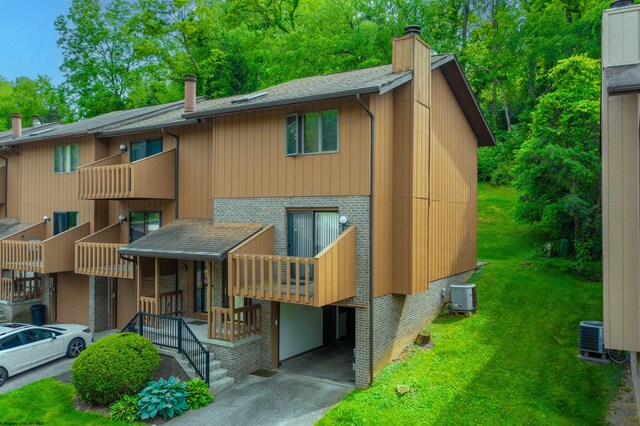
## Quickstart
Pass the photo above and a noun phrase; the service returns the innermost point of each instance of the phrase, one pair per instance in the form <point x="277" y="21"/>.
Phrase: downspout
<point x="6" y="184"/>
<point x="371" y="183"/>
<point x="176" y="180"/>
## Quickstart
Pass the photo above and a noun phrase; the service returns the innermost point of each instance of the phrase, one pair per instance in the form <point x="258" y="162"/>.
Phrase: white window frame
<point x="300" y="122"/>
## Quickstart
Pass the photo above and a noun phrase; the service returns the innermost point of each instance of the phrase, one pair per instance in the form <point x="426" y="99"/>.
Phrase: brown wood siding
<point x="14" y="191"/>
<point x="42" y="192"/>
<point x="72" y="299"/>
<point x="195" y="163"/>
<point x="126" y="301"/>
<point x="401" y="206"/>
<point x="453" y="219"/>
<point x="620" y="222"/>
<point x="249" y="155"/>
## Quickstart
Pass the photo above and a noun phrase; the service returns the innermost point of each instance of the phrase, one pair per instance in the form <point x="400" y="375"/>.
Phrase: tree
<point x="99" y="62"/>
<point x="558" y="167"/>
<point x="30" y="98"/>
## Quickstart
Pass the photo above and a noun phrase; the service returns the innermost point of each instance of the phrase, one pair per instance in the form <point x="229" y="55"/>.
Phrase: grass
<point x="49" y="402"/>
<point x="514" y="361"/>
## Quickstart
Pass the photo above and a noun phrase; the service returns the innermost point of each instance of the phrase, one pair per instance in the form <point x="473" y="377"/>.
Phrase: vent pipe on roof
<point x="189" y="93"/>
<point x="16" y="124"/>
<point x="414" y="30"/>
<point x="35" y="121"/>
<point x="620" y="3"/>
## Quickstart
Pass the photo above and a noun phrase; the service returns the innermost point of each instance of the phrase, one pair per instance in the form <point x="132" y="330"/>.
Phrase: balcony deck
<point x="97" y="255"/>
<point x="327" y="278"/>
<point x="28" y="251"/>
<point x="110" y="179"/>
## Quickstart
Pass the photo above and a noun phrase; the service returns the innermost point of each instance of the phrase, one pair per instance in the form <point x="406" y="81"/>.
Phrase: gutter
<point x="371" y="183"/>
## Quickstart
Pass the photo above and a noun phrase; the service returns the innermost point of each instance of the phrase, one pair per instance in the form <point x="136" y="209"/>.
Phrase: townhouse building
<point x="321" y="220"/>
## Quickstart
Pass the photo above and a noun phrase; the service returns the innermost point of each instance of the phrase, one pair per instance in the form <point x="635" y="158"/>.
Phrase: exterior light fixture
<point x="344" y="221"/>
<point x="46" y="219"/>
<point x="122" y="218"/>
<point x="123" y="148"/>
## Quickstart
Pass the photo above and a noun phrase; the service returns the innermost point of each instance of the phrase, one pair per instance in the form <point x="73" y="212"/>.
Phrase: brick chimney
<point x="189" y="93"/>
<point x="16" y="124"/>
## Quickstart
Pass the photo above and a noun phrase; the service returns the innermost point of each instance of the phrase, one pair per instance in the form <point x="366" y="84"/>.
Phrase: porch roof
<point x="192" y="239"/>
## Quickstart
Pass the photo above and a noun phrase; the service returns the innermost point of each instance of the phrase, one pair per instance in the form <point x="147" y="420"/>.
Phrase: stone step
<point x="221" y="384"/>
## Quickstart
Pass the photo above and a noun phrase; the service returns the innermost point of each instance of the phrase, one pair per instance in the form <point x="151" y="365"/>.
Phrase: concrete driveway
<point x="50" y="369"/>
<point x="283" y="399"/>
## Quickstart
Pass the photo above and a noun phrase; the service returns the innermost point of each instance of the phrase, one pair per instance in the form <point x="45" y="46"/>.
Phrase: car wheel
<point x="3" y="375"/>
<point x="76" y="346"/>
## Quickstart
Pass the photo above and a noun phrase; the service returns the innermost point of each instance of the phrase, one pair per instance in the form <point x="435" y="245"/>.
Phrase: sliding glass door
<point x="309" y="233"/>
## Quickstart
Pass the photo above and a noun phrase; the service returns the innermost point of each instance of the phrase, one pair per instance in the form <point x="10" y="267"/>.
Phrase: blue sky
<point x="28" y="38"/>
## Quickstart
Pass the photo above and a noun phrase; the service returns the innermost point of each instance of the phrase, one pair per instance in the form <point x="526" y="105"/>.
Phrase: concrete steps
<point x="218" y="376"/>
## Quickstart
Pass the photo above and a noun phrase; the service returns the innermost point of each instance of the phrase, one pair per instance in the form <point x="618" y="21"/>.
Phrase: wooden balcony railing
<point x="148" y="304"/>
<point x="152" y="177"/>
<point x="245" y="323"/>
<point x="24" y="252"/>
<point x="97" y="254"/>
<point x="318" y="281"/>
<point x="20" y="289"/>
<point x="171" y="303"/>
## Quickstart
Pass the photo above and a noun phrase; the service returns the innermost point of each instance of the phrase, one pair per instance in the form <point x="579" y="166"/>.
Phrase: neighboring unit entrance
<point x="72" y="299"/>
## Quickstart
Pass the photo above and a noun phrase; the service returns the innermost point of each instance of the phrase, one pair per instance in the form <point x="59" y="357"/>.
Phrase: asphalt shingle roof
<point x="369" y="80"/>
<point x="193" y="239"/>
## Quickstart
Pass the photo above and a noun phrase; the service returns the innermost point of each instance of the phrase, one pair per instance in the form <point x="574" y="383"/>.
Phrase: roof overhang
<point x="461" y="90"/>
<point x="192" y="239"/>
<point x="622" y="79"/>
<point x="158" y="126"/>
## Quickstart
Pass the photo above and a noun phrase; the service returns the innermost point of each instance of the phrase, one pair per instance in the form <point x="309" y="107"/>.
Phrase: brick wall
<point x="399" y="318"/>
<point x="273" y="211"/>
<point x="99" y="304"/>
<point x="18" y="311"/>
<point x="241" y="358"/>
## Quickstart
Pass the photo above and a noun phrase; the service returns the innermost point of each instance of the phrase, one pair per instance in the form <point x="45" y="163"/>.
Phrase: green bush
<point x="199" y="395"/>
<point x="114" y="366"/>
<point x="126" y="409"/>
<point x="167" y="398"/>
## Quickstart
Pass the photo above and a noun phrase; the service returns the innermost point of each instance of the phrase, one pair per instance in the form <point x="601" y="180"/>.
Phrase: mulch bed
<point x="168" y="367"/>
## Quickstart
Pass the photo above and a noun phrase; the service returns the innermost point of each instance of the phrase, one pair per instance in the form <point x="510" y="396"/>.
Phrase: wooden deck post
<point x="156" y="283"/>
<point x="232" y="299"/>
<point x="138" y="285"/>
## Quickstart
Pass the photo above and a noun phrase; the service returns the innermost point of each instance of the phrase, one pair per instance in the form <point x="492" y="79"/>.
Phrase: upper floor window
<point x="63" y="221"/>
<point x="142" y="223"/>
<point x="65" y="158"/>
<point x="312" y="133"/>
<point x="146" y="148"/>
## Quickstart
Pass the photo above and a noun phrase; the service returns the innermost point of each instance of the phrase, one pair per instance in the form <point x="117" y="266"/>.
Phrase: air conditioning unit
<point x="591" y="343"/>
<point x="463" y="298"/>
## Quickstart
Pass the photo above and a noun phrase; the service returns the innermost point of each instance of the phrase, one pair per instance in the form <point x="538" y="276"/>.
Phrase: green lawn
<point x="49" y="402"/>
<point x="514" y="361"/>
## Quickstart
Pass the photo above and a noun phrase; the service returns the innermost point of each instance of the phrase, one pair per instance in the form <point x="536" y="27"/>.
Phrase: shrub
<point x="114" y="366"/>
<point x="199" y="395"/>
<point x="126" y="409"/>
<point x="166" y="398"/>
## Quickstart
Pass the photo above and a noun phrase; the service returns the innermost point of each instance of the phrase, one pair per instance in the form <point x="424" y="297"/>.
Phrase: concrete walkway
<point x="283" y="399"/>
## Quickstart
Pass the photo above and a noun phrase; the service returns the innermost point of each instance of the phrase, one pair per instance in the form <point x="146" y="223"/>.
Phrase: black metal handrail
<point x="172" y="332"/>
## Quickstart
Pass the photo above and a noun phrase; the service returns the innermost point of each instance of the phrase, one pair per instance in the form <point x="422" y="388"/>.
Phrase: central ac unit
<point x="463" y="298"/>
<point x="591" y="343"/>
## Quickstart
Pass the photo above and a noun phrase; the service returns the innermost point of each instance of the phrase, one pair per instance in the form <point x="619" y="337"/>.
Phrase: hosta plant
<point x="166" y="398"/>
<point x="199" y="395"/>
<point x="126" y="409"/>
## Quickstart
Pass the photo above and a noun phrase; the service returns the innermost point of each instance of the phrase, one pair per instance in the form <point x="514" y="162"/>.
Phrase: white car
<point x="25" y="346"/>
